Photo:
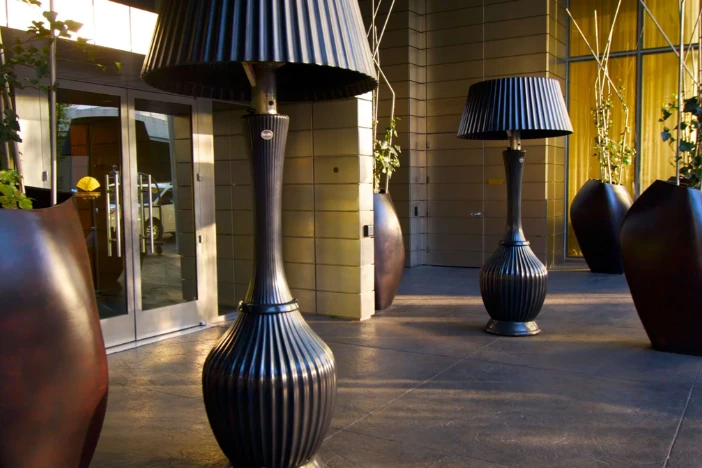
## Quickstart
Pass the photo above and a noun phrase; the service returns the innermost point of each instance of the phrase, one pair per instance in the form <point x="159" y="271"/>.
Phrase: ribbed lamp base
<point x="513" y="287"/>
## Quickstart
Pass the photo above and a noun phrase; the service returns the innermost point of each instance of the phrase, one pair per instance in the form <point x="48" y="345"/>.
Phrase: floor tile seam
<point x="432" y="448"/>
<point x="574" y="373"/>
<point x="388" y="349"/>
<point x="408" y="391"/>
<point x="682" y="419"/>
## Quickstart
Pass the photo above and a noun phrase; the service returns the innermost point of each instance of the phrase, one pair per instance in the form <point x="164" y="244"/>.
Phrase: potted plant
<point x="661" y="241"/>
<point x="661" y="236"/>
<point x="53" y="368"/>
<point x="389" y="247"/>
<point x="599" y="207"/>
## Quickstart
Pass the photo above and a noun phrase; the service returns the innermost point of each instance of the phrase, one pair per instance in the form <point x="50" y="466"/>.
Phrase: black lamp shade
<point x="533" y="106"/>
<point x="198" y="47"/>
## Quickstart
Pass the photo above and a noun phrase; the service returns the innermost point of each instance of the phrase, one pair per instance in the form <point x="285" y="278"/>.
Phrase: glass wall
<point x="645" y="66"/>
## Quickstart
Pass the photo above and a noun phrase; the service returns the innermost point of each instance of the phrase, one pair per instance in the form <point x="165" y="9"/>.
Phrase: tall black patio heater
<point x="269" y="384"/>
<point x="513" y="280"/>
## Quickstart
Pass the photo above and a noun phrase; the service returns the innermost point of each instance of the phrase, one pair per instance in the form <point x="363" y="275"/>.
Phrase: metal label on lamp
<point x="267" y="134"/>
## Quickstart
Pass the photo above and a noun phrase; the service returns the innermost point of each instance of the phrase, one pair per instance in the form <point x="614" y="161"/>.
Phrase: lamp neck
<point x="515" y="141"/>
<point x="264" y="94"/>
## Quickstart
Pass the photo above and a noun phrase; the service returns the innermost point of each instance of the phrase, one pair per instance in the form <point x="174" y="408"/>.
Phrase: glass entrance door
<point x="129" y="161"/>
<point x="163" y="152"/>
<point x="91" y="164"/>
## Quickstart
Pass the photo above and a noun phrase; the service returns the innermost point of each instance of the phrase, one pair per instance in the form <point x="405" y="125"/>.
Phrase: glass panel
<point x="660" y="84"/>
<point x="667" y="14"/>
<point x="624" y="36"/>
<point x="90" y="154"/>
<point x="167" y="219"/>
<point x="582" y="164"/>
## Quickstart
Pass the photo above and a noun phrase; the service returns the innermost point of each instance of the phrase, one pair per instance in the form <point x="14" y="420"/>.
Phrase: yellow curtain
<point x="624" y="37"/>
<point x="667" y="14"/>
<point x="659" y="85"/>
<point x="582" y="164"/>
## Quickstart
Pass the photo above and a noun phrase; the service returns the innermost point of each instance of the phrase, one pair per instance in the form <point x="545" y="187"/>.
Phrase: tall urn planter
<point x="389" y="250"/>
<point x="597" y="213"/>
<point x="661" y="243"/>
<point x="53" y="368"/>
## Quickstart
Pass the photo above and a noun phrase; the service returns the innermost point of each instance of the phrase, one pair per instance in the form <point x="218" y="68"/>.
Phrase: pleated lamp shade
<point x="198" y="47"/>
<point x="533" y="106"/>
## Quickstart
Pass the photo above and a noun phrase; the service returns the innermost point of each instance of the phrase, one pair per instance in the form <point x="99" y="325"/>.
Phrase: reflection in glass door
<point x="166" y="218"/>
<point x="90" y="165"/>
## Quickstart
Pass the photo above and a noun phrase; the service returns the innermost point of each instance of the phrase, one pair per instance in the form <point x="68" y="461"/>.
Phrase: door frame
<point x="138" y="324"/>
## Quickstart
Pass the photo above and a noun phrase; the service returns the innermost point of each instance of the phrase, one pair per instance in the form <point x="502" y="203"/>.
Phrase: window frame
<point x="639" y="53"/>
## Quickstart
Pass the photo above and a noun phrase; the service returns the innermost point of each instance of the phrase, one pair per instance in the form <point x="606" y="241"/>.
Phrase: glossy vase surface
<point x="389" y="249"/>
<point x="270" y="382"/>
<point x="513" y="280"/>
<point x="53" y="367"/>
<point x="661" y="243"/>
<point x="597" y="213"/>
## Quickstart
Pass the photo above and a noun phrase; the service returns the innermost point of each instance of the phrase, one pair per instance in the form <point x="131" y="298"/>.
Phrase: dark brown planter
<point x="53" y="368"/>
<point x="661" y="243"/>
<point x="389" y="250"/>
<point x="597" y="213"/>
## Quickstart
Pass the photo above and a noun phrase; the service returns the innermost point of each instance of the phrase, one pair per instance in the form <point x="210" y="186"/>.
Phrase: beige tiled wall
<point x="403" y="58"/>
<point x="327" y="199"/>
<point x="449" y="193"/>
<point x="434" y="50"/>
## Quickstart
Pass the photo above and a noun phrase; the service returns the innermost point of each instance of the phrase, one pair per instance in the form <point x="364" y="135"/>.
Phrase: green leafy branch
<point x="689" y="140"/>
<point x="612" y="154"/>
<point x="11" y="197"/>
<point x="386" y="156"/>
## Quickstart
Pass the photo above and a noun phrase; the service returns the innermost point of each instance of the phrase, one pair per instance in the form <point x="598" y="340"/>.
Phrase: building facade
<point x="171" y="237"/>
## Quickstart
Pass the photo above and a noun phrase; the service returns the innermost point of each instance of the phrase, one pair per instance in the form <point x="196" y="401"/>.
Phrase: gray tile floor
<point x="420" y="385"/>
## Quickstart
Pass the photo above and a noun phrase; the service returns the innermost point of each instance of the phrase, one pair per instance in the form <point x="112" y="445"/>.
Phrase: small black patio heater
<point x="513" y="280"/>
<point x="269" y="384"/>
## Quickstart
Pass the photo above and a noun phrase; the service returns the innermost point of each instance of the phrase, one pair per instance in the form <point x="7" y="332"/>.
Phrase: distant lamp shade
<point x="198" y="47"/>
<point x="532" y="106"/>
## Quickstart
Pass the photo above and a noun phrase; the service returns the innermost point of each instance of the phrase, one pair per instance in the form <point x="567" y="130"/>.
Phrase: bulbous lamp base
<point x="269" y="388"/>
<point x="513" y="286"/>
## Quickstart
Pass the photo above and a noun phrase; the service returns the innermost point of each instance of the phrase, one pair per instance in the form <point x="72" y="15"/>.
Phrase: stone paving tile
<point x="151" y="429"/>
<point x="687" y="451"/>
<point x="535" y="418"/>
<point x="350" y="449"/>
<point x="369" y="378"/>
<point x="445" y="336"/>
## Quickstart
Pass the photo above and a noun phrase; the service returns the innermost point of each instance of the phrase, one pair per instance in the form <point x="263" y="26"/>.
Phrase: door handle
<point x="109" y="216"/>
<point x="476" y="214"/>
<point x="151" y="216"/>
<point x="118" y="216"/>
<point x="142" y="221"/>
